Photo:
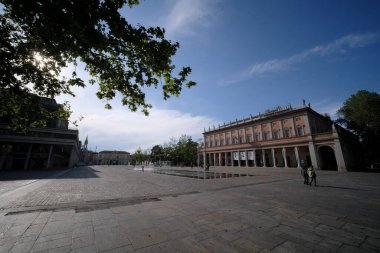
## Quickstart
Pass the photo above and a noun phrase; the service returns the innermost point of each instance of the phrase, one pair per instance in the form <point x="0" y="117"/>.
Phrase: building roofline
<point x="268" y="114"/>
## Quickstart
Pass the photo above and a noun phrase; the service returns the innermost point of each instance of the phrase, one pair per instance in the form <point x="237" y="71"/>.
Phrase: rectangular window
<point x="249" y="138"/>
<point x="228" y="141"/>
<point x="257" y="137"/>
<point x="276" y="134"/>
<point x="299" y="131"/>
<point x="287" y="132"/>
<point x="221" y="142"/>
<point x="266" y="136"/>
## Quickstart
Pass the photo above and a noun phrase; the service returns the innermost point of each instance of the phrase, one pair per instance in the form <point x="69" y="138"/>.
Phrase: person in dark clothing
<point x="305" y="176"/>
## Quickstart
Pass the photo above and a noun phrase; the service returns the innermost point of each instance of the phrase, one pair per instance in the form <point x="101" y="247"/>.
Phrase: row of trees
<point x="361" y="115"/>
<point x="181" y="152"/>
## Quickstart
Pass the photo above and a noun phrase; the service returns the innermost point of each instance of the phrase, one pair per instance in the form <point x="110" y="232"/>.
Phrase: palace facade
<point x="113" y="157"/>
<point x="284" y="137"/>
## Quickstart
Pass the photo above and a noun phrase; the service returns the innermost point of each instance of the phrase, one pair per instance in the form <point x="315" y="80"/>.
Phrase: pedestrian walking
<point x="305" y="175"/>
<point x="312" y="175"/>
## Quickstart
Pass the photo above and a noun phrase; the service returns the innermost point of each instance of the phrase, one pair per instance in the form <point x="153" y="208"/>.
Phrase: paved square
<point x="118" y="209"/>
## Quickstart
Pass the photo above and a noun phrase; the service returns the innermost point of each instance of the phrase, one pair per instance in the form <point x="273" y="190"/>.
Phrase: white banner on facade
<point x="250" y="155"/>
<point x="236" y="156"/>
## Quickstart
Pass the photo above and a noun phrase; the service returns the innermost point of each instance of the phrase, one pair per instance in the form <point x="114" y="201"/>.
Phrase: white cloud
<point x="339" y="46"/>
<point x="120" y="129"/>
<point x="187" y="16"/>
<point x="123" y="130"/>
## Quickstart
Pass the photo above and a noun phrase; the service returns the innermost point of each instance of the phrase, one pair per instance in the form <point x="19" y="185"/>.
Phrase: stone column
<point x="49" y="157"/>
<point x="204" y="151"/>
<point x="26" y="164"/>
<point x="2" y="158"/>
<point x="225" y="159"/>
<point x="246" y="158"/>
<point x="264" y="160"/>
<point x="198" y="159"/>
<point x="313" y="155"/>
<point x="274" y="158"/>
<point x="339" y="157"/>
<point x="74" y="158"/>
<point x="204" y="160"/>
<point x="341" y="164"/>
<point x="297" y="155"/>
<point x="254" y="158"/>
<point x="239" y="163"/>
<point x="220" y="159"/>
<point x="312" y="150"/>
<point x="284" y="157"/>
<point x="232" y="159"/>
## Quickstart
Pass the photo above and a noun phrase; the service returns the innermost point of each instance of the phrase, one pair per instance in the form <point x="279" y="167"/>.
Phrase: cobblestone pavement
<point x="117" y="209"/>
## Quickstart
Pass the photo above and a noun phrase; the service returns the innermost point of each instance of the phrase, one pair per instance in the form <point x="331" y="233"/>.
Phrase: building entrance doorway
<point x="327" y="158"/>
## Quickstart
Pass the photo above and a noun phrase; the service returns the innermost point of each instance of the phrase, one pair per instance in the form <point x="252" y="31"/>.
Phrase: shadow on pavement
<point x="78" y="172"/>
<point x="343" y="188"/>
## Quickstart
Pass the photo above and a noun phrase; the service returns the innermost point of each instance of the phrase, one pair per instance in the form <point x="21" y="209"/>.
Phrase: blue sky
<point x="246" y="57"/>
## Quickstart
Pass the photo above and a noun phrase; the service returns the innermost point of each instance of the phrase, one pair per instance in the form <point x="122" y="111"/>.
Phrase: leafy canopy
<point x="41" y="37"/>
<point x="361" y="114"/>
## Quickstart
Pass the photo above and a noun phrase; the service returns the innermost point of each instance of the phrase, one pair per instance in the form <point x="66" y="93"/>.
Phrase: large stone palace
<point x="283" y="137"/>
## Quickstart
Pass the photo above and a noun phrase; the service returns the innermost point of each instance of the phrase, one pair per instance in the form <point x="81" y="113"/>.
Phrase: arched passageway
<point x="327" y="158"/>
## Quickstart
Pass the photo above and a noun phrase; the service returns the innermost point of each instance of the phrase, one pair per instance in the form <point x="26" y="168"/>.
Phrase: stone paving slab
<point x="256" y="214"/>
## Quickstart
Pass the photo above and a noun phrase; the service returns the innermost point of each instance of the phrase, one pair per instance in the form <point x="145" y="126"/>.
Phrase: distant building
<point x="113" y="157"/>
<point x="283" y="137"/>
<point x="52" y="147"/>
<point x="93" y="158"/>
<point x="90" y="157"/>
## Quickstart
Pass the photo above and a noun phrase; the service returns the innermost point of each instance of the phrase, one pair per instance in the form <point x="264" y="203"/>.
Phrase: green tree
<point x="157" y="153"/>
<point x="138" y="157"/>
<point x="361" y="114"/>
<point x="182" y="152"/>
<point x="38" y="38"/>
<point x="187" y="150"/>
